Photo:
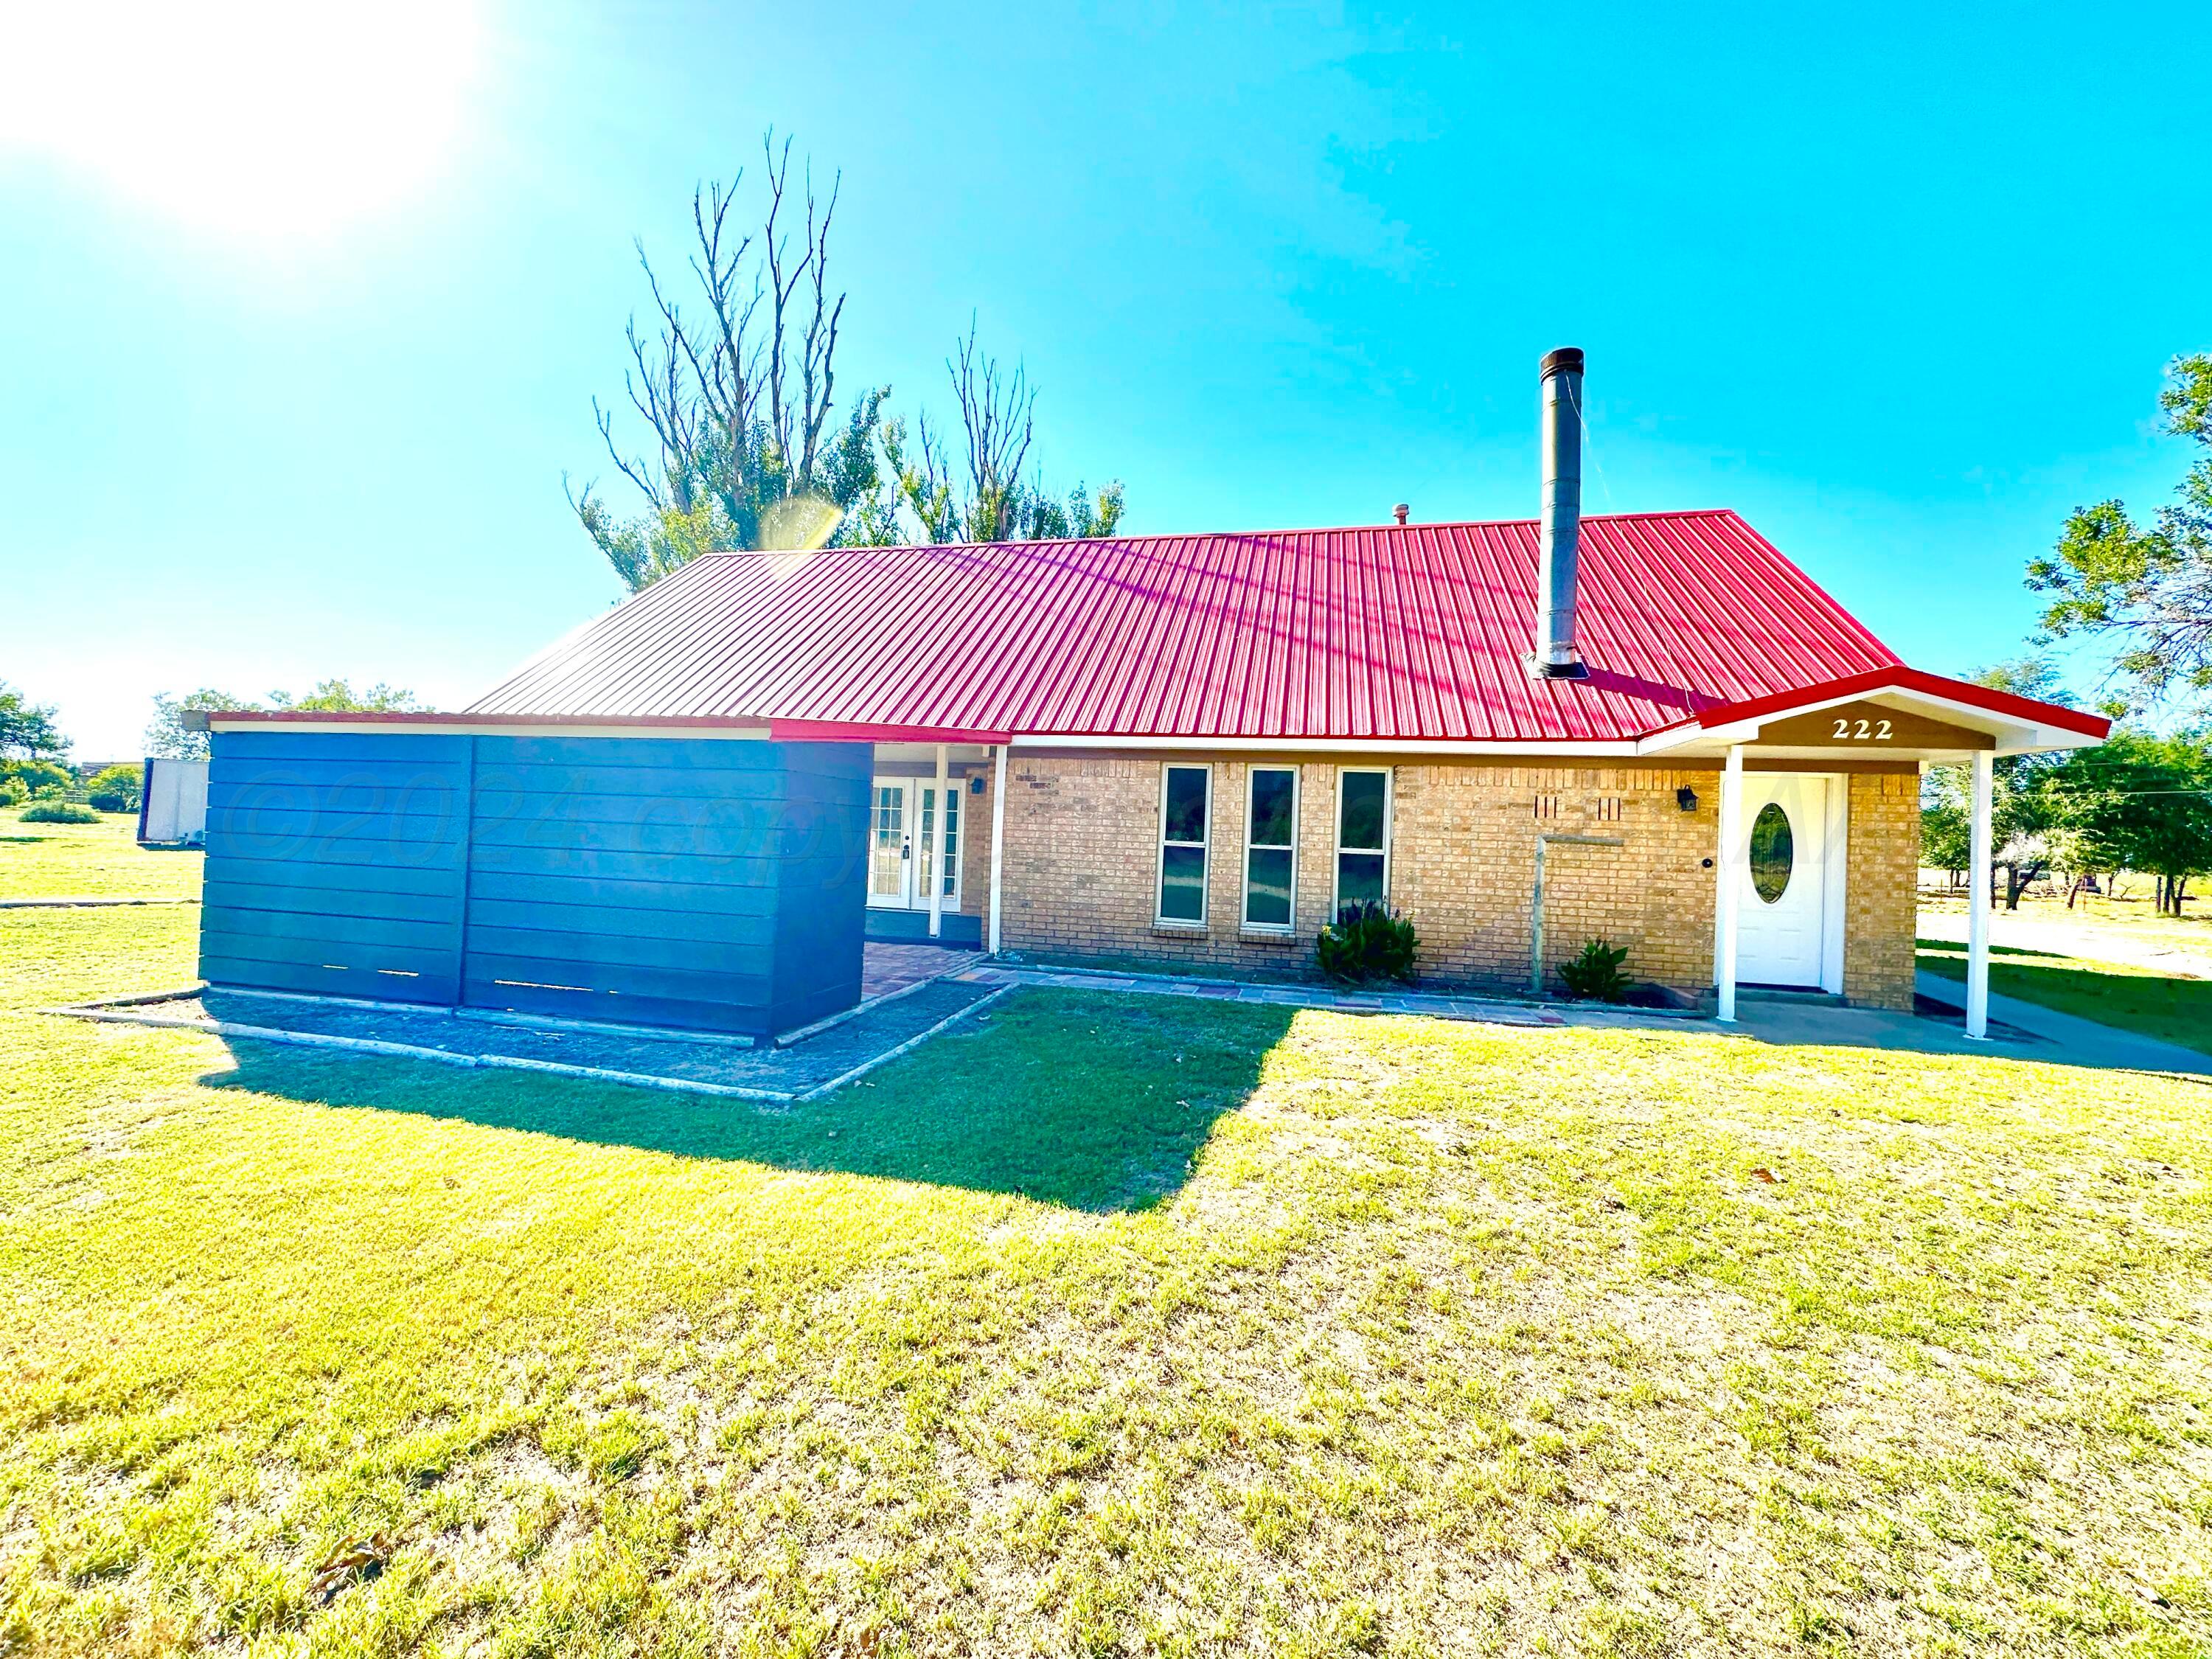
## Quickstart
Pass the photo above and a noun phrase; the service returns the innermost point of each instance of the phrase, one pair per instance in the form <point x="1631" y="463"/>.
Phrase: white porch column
<point x="1727" y="887"/>
<point x="934" y="863"/>
<point x="998" y="840"/>
<point x="1978" y="901"/>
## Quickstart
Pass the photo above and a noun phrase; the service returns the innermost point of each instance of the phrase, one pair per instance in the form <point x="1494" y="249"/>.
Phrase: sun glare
<point x="272" y="120"/>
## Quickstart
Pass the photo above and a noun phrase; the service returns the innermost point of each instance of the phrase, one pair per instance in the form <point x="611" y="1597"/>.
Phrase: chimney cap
<point x="1566" y="360"/>
<point x="1400" y="512"/>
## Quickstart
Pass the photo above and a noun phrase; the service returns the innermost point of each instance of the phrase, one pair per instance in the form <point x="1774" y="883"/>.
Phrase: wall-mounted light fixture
<point x="1686" y="798"/>
<point x="976" y="784"/>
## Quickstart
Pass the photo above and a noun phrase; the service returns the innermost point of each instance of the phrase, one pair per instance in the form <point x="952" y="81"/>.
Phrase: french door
<point x="911" y="843"/>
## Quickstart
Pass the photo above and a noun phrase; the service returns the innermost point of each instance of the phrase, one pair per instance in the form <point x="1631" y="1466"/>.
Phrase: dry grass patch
<point x="1448" y="1339"/>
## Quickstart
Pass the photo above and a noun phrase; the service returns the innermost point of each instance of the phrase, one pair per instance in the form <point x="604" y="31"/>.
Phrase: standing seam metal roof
<point x="1415" y="632"/>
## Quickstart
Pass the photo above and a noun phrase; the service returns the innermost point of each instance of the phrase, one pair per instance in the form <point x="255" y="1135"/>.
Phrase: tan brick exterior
<point x="1881" y="889"/>
<point x="1082" y="839"/>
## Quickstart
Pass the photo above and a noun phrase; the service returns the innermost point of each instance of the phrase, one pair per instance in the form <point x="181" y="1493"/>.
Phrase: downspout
<point x="1536" y="903"/>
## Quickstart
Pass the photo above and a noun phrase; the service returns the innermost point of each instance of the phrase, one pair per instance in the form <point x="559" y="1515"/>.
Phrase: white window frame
<point x="1244" y="906"/>
<point x="953" y="787"/>
<point x="1336" y="833"/>
<point x="911" y="788"/>
<point x="1206" y="850"/>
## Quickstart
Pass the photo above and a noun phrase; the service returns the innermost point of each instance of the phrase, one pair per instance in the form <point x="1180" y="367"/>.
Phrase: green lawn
<point x="88" y="860"/>
<point x="1107" y="1325"/>
<point x="2113" y="993"/>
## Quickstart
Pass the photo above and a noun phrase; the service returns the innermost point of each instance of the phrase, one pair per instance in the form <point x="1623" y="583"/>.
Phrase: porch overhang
<point x="1892" y="713"/>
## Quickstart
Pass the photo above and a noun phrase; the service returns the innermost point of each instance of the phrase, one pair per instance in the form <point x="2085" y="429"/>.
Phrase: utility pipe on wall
<point x="1727" y="887"/>
<point x="1536" y="903"/>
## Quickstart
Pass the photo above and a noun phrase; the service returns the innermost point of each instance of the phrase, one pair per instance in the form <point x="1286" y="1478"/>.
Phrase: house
<point x="1649" y="729"/>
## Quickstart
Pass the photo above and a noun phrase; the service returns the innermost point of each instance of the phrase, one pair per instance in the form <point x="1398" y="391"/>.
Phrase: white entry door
<point x="906" y="834"/>
<point x="1782" y="902"/>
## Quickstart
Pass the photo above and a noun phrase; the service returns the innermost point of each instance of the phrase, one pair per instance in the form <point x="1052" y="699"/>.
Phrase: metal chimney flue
<point x="1560" y="377"/>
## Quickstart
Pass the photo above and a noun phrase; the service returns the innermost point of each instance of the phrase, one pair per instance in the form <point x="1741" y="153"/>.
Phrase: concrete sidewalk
<point x="2075" y="1040"/>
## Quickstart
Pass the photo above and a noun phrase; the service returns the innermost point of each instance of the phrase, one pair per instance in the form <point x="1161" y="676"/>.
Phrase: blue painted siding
<point x="694" y="882"/>
<point x="336" y="868"/>
<point x="648" y="880"/>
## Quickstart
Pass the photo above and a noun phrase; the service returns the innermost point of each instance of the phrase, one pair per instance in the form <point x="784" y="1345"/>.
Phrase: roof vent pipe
<point x="1555" y="657"/>
<point x="1400" y="512"/>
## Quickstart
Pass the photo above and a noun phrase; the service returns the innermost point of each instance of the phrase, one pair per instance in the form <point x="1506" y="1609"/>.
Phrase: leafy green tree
<point x="2021" y="821"/>
<point x="118" y="784"/>
<point x="2138" y="802"/>
<point x="339" y="698"/>
<point x="168" y="738"/>
<point x="2147" y="588"/>
<point x="39" y="780"/>
<point x="1947" y="839"/>
<point x="27" y="729"/>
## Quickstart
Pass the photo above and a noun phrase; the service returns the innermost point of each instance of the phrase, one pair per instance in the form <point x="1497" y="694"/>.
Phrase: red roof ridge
<point x="1208" y="535"/>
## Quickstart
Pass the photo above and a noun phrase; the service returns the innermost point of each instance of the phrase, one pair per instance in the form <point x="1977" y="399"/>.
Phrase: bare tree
<point x="981" y="495"/>
<point x="738" y="392"/>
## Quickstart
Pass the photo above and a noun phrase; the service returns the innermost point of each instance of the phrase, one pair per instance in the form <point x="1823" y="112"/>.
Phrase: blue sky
<point x="293" y="366"/>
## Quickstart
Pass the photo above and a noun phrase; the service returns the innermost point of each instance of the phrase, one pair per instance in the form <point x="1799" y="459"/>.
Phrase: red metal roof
<point x="1414" y="632"/>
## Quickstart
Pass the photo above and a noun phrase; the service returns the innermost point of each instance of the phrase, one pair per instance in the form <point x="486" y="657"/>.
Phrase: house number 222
<point x="1863" y="730"/>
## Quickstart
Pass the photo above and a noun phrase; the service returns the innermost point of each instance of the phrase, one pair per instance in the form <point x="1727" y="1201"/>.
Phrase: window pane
<point x="1268" y="897"/>
<point x="1362" y="824"/>
<point x="1773" y="853"/>
<point x="1182" y="884"/>
<point x="1359" y="876"/>
<point x="1185" y="818"/>
<point x="951" y="837"/>
<point x="1271" y="808"/>
<point x="924" y="845"/>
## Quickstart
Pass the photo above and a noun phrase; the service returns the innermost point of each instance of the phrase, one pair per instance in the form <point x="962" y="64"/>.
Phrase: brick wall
<point x="1082" y="840"/>
<point x="1880" y="891"/>
<point x="1081" y="834"/>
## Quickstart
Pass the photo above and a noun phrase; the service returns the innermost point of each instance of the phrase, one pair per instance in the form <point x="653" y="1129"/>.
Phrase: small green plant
<point x="1593" y="972"/>
<point x="13" y="791"/>
<point x="1367" y="941"/>
<point x="59" y="811"/>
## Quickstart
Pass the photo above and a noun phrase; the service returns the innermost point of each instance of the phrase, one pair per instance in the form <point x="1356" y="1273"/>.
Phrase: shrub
<point x="59" y="811"/>
<point x="1367" y="941"/>
<point x="13" y="791"/>
<point x="118" y="783"/>
<point x="39" y="777"/>
<point x="1594" y="975"/>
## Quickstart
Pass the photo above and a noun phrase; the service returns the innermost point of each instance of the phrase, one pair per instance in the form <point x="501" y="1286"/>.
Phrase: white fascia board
<point x="1557" y="749"/>
<point x="2013" y="737"/>
<point x="463" y="728"/>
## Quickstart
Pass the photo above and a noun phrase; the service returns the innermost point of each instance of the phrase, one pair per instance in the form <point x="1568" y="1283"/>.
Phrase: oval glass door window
<point x="1773" y="851"/>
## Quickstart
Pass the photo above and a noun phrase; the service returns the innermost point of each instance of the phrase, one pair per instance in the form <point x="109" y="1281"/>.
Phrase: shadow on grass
<point x="1095" y="1103"/>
